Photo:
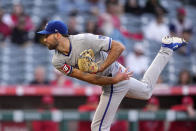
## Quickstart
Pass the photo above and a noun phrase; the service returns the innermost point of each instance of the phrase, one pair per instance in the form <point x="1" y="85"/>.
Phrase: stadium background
<point x="31" y="90"/>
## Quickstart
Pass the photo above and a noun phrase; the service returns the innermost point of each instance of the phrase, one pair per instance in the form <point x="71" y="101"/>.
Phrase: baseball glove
<point x="86" y="62"/>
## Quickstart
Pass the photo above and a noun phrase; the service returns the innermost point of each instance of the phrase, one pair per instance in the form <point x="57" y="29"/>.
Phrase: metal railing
<point x="63" y="116"/>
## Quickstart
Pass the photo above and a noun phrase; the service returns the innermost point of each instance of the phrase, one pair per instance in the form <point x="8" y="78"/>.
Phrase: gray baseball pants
<point x="132" y="88"/>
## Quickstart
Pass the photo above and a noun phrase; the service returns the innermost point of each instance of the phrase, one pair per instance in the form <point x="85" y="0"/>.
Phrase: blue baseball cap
<point x="54" y="26"/>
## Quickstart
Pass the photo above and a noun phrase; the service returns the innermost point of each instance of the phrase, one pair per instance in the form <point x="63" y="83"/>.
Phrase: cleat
<point x="173" y="43"/>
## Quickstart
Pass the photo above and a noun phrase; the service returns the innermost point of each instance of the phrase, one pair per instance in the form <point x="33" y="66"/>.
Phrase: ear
<point x="58" y="35"/>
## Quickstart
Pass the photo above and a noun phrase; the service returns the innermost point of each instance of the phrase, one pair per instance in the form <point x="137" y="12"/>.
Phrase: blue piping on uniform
<point x="70" y="49"/>
<point x="106" y="108"/>
<point x="109" y="44"/>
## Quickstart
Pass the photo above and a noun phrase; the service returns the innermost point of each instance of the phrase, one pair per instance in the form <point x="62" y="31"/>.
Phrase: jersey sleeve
<point x="62" y="66"/>
<point x="98" y="42"/>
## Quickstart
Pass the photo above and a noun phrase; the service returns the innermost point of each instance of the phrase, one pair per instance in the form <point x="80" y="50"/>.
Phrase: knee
<point x="148" y="94"/>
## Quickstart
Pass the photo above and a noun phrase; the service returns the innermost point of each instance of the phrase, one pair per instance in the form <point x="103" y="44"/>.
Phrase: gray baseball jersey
<point x="112" y="94"/>
<point x="81" y="42"/>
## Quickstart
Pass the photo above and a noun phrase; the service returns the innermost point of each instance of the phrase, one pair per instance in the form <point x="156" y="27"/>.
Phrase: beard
<point x="53" y="46"/>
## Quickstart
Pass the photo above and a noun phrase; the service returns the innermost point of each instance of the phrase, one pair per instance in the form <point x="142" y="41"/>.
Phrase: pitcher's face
<point x="50" y="41"/>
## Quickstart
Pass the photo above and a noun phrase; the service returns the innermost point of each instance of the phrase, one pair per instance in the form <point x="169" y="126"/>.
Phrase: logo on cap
<point x="46" y="25"/>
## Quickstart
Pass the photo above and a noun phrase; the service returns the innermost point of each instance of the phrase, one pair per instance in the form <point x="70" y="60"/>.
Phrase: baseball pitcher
<point x="92" y="58"/>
